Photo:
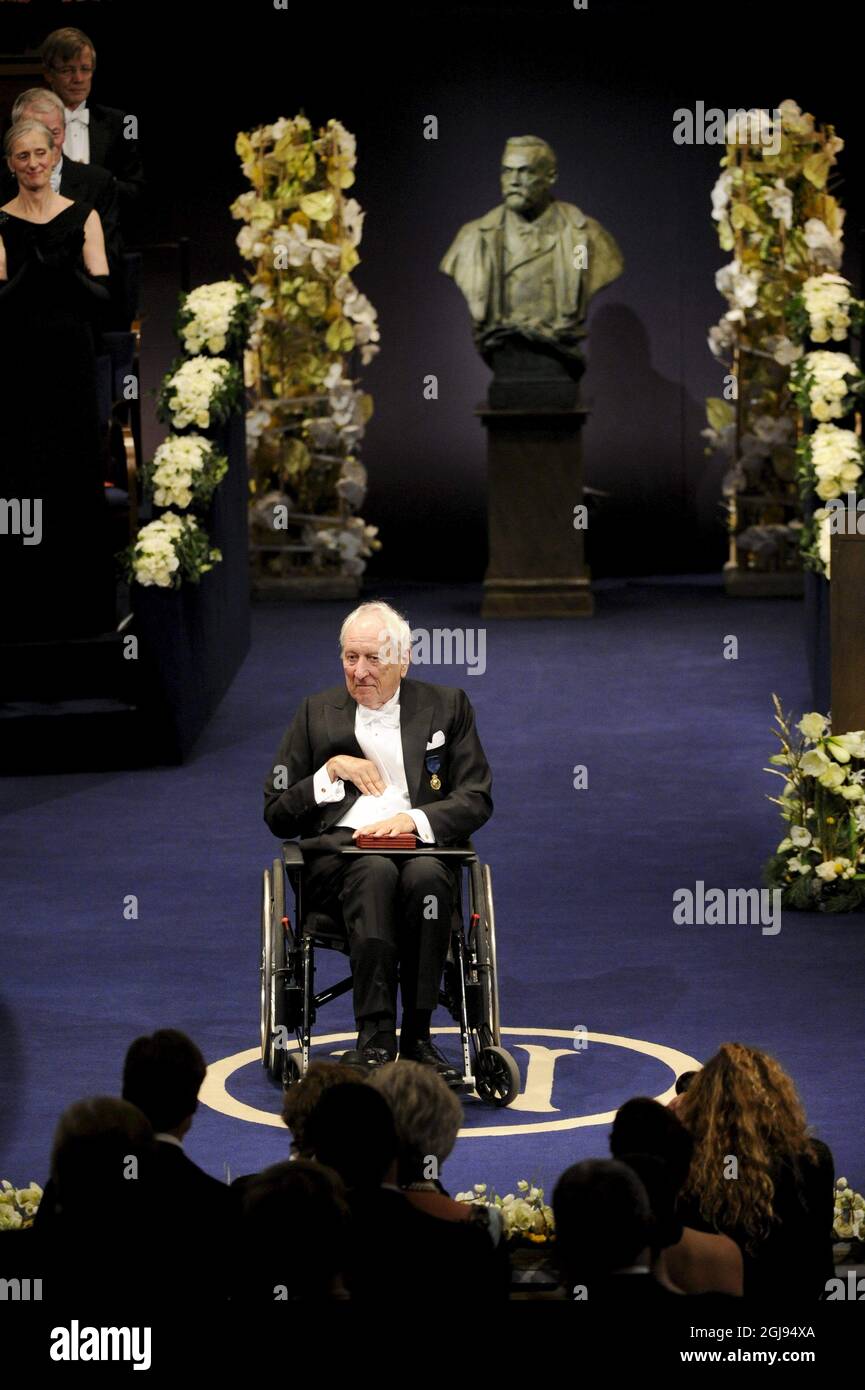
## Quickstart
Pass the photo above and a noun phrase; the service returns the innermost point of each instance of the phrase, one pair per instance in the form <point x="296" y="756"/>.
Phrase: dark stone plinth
<point x="817" y="640"/>
<point x="847" y="632"/>
<point x="529" y="376"/>
<point x="536" y="567"/>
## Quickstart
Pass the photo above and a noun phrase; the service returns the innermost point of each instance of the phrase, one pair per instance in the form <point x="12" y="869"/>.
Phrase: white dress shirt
<point x="76" y="143"/>
<point x="56" y="175"/>
<point x="378" y="734"/>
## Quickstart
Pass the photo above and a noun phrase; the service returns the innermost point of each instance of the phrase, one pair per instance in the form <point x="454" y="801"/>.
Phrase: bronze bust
<point x="530" y="266"/>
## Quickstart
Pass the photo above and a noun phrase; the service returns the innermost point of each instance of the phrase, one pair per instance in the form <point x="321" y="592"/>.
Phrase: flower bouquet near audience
<point x="820" y="863"/>
<point x="201" y="391"/>
<point x="184" y="472"/>
<point x="524" y="1217"/>
<point x="18" y="1205"/>
<point x="169" y="550"/>
<point x="215" y="317"/>
<point x="824" y="310"/>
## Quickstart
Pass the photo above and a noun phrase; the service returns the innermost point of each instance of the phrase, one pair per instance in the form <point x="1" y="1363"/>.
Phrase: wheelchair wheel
<point x="290" y="1069"/>
<point x="273" y="963"/>
<point x="497" y="1076"/>
<point x="484" y="946"/>
<point x="265" y="969"/>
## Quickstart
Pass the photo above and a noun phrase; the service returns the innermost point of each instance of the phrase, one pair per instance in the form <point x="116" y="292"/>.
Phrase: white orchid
<point x="826" y="247"/>
<point x="779" y="200"/>
<point x="813" y="725"/>
<point x="739" y="287"/>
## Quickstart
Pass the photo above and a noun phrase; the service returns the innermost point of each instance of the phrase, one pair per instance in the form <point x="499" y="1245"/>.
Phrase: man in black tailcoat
<point x="385" y="756"/>
<point x="95" y="134"/>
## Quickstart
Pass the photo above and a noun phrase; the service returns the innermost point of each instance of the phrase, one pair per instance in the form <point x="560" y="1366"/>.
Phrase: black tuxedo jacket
<point x="324" y="727"/>
<point x="112" y="151"/>
<point x="88" y="183"/>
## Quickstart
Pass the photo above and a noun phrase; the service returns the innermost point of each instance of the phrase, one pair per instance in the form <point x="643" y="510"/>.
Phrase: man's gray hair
<point x="37" y="99"/>
<point x="546" y="154"/>
<point x="394" y="631"/>
<point x="16" y="131"/>
<point x="426" y="1114"/>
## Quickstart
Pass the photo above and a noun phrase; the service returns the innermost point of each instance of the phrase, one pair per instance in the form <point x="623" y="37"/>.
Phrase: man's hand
<point x="400" y="824"/>
<point x="362" y="773"/>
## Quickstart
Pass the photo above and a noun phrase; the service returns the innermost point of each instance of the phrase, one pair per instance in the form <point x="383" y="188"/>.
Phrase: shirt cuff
<point x="325" y="790"/>
<point x="423" y="826"/>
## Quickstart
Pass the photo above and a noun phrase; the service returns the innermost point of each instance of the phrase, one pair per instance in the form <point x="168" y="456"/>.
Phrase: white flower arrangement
<point x="824" y="383"/>
<point x="825" y="309"/>
<point x="526" y="1216"/>
<point x="819" y="865"/>
<point x="831" y="461"/>
<point x="820" y="551"/>
<point x="168" y="550"/>
<point x="185" y="468"/>
<point x="214" y="315"/>
<point x="201" y="391"/>
<point x="306" y="416"/>
<point x="775" y="216"/>
<point x="18" y="1205"/>
<point x="351" y="541"/>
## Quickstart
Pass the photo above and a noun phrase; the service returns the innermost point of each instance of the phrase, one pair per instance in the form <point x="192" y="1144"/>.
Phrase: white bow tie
<point x="381" y="718"/>
<point x="82" y="116"/>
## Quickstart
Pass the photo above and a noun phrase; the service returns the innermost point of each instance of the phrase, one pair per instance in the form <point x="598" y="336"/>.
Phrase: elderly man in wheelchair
<point x="383" y="779"/>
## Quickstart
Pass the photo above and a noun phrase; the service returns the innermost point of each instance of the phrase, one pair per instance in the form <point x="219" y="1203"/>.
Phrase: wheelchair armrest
<point x="292" y="858"/>
<point x="464" y="854"/>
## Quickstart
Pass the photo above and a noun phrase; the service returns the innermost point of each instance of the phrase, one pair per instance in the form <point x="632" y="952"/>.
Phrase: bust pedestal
<point x="847" y="627"/>
<point x="536" y="567"/>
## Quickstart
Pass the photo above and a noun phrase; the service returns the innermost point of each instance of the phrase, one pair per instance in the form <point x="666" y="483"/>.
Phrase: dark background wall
<point x="601" y="85"/>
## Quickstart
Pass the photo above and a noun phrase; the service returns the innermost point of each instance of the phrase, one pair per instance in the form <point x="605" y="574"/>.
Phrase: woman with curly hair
<point x="757" y="1175"/>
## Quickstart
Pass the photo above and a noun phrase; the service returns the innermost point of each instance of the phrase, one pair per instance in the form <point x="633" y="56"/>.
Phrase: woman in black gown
<point x="53" y="292"/>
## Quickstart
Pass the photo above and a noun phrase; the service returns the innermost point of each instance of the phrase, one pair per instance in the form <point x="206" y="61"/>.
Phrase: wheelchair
<point x="469" y="988"/>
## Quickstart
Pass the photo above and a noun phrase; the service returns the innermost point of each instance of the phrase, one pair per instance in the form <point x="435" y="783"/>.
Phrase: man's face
<point x="71" y="78"/>
<point x="50" y="118"/>
<point x="526" y="183"/>
<point x="371" y="677"/>
<point x="32" y="159"/>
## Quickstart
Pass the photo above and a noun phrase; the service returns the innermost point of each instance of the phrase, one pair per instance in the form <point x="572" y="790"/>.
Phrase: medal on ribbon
<point x="433" y="763"/>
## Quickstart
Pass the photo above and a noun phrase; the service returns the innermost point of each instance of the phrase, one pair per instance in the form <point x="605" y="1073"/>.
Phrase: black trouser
<point x="397" y="912"/>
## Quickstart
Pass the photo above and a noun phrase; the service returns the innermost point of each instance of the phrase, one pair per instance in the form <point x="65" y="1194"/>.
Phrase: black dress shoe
<point x="423" y="1051"/>
<point x="366" y="1058"/>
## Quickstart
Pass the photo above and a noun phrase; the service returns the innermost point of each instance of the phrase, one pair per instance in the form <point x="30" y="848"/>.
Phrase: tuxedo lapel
<point x="70" y="181"/>
<point x="99" y="137"/>
<point x="415" y="722"/>
<point x="340" y="718"/>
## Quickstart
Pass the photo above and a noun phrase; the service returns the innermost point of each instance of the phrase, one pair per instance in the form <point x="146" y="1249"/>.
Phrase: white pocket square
<point x="437" y="740"/>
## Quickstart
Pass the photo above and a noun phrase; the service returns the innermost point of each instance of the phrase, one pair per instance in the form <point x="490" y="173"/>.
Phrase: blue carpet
<point x="673" y="737"/>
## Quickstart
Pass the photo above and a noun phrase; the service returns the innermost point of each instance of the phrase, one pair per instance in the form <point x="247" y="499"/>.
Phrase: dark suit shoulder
<point x="107" y="114"/>
<point x="90" y="179"/>
<point x="824" y="1154"/>
<point x="333" y="695"/>
<point x="173" y="1164"/>
<point x="428" y="690"/>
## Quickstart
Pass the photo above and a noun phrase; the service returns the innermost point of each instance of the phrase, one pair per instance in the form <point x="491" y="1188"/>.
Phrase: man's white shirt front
<point x="378" y="734"/>
<point x="76" y="142"/>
